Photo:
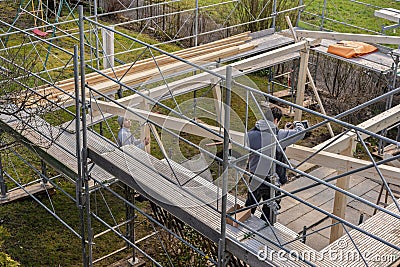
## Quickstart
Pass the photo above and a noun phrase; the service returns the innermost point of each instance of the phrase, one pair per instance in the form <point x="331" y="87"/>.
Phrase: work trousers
<point x="262" y="192"/>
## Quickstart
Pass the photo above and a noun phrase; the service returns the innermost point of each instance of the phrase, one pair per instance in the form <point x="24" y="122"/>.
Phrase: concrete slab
<point x="307" y="220"/>
<point x="362" y="207"/>
<point x="317" y="241"/>
<point x="288" y="203"/>
<point x="355" y="180"/>
<point x="325" y="232"/>
<point x="352" y="215"/>
<point x="293" y="214"/>
<point x="321" y="173"/>
<point x="363" y="187"/>
<point x="322" y="197"/>
<point x="373" y="193"/>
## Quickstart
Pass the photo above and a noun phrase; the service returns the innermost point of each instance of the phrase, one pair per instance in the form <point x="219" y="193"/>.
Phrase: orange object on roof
<point x="40" y="33"/>
<point x="349" y="49"/>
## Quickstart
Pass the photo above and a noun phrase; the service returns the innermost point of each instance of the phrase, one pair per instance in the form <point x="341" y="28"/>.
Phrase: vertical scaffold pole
<point x="78" y="186"/>
<point x="196" y="23"/>
<point x="96" y="33"/>
<point x="85" y="172"/>
<point x="299" y="13"/>
<point x="389" y="101"/>
<point x="225" y="165"/>
<point x="274" y="15"/>
<point x="323" y="16"/>
<point x="43" y="167"/>
<point x="3" y="187"/>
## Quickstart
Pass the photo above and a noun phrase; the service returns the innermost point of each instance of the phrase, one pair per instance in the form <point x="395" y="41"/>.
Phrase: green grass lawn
<point x="348" y="12"/>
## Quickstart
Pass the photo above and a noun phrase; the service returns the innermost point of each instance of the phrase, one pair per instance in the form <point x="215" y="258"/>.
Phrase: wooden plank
<point x="93" y="78"/>
<point x="139" y="66"/>
<point x="282" y="93"/>
<point x="389" y="14"/>
<point x="382" y="225"/>
<point x="376" y="39"/>
<point x="240" y="68"/>
<point x="168" y="122"/>
<point x="136" y="78"/>
<point x="34" y="189"/>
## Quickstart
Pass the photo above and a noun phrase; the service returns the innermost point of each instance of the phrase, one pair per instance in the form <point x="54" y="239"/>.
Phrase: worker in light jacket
<point x="125" y="136"/>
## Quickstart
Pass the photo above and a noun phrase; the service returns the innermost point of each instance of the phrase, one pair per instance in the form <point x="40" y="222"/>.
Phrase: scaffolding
<point x="70" y="109"/>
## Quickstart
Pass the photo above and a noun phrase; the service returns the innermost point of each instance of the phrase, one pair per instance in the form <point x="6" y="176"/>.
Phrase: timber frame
<point x="141" y="91"/>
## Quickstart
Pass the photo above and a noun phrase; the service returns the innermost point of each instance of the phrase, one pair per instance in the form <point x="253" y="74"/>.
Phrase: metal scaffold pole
<point x="78" y="186"/>
<point x="85" y="171"/>
<point x="3" y="187"/>
<point x="274" y="15"/>
<point x="299" y="13"/>
<point x="196" y="24"/>
<point x="222" y="244"/>
<point x="323" y="16"/>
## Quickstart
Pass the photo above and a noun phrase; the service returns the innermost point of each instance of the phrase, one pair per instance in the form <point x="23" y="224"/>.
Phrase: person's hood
<point x="265" y="125"/>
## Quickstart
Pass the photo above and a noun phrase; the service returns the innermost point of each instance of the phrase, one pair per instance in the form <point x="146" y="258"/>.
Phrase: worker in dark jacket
<point x="264" y="138"/>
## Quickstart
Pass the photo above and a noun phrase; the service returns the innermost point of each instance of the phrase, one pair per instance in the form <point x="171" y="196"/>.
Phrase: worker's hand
<point x="289" y="125"/>
<point x="146" y="140"/>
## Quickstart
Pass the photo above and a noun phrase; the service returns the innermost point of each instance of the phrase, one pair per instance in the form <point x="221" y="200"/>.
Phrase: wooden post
<point x="301" y="83"/>
<point x="158" y="139"/>
<point x="310" y="78"/>
<point x="108" y="48"/>
<point x="340" y="201"/>
<point x="219" y="106"/>
<point x="145" y="129"/>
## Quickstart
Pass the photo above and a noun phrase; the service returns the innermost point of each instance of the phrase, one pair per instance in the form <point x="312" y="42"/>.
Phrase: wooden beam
<point x="238" y="68"/>
<point x="343" y="163"/>
<point x="270" y="55"/>
<point x="375" y="124"/>
<point x="323" y="158"/>
<point x="301" y="82"/>
<point x="108" y="47"/>
<point x="375" y="39"/>
<point x="160" y="59"/>
<point x="319" y="101"/>
<point x="169" y="122"/>
<point x="185" y="85"/>
<point x="389" y="14"/>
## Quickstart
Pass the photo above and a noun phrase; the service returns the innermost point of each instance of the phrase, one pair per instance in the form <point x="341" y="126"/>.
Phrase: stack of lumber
<point x="146" y="69"/>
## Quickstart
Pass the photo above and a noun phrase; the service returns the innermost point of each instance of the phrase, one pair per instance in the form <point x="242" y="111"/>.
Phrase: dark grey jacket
<point x="261" y="138"/>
